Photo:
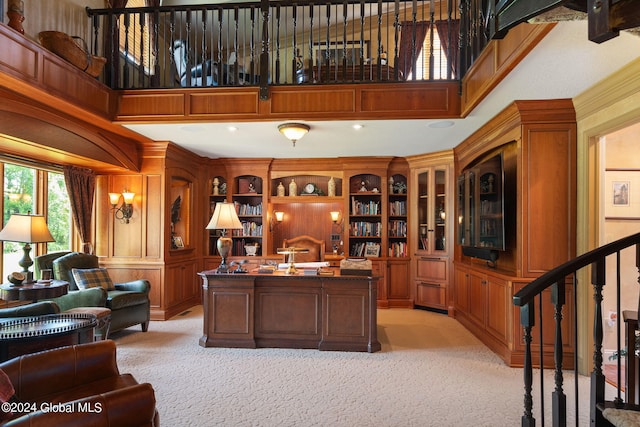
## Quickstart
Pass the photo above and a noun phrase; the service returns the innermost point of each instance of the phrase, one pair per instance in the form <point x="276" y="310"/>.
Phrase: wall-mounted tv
<point x="481" y="213"/>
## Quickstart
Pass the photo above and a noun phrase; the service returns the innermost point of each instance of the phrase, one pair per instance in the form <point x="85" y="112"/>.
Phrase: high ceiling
<point x="563" y="65"/>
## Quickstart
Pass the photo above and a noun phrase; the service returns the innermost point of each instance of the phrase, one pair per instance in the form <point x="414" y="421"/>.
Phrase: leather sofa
<point x="129" y="302"/>
<point x="84" y="378"/>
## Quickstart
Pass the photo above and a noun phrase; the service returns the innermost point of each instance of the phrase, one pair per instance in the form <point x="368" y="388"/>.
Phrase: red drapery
<point x="449" y="33"/>
<point x="81" y="184"/>
<point x="412" y="36"/>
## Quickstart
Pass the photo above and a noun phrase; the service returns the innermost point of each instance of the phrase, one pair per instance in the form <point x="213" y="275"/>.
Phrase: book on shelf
<point x="425" y="242"/>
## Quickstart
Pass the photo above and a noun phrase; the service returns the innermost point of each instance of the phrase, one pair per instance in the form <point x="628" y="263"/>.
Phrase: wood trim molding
<point x="497" y="60"/>
<point x="349" y="101"/>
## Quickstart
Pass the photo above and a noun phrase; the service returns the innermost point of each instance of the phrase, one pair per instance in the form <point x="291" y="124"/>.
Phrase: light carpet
<point x="431" y="372"/>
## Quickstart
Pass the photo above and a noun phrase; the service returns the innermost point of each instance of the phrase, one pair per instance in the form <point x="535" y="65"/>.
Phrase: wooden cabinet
<point x="487" y="301"/>
<point x="431" y="281"/>
<point x="536" y="141"/>
<point x="370" y="196"/>
<point x="430" y="227"/>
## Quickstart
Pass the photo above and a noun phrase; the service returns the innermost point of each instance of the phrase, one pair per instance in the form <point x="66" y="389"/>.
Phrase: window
<point x="423" y="62"/>
<point x="24" y="190"/>
<point x="135" y="38"/>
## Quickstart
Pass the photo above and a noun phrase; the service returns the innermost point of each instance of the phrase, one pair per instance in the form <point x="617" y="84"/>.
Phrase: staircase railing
<point x="556" y="280"/>
<point x="285" y="42"/>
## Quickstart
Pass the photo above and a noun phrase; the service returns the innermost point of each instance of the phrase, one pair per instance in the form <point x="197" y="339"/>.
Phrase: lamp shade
<point x="26" y="229"/>
<point x="224" y="217"/>
<point x="293" y="131"/>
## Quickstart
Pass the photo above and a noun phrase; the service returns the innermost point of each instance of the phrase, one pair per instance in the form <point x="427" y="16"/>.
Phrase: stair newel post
<point x="597" y="377"/>
<point x="559" y="401"/>
<point x="527" y="320"/>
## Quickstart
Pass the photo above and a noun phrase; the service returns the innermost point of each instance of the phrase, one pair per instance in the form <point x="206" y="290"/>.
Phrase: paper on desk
<point x="284" y="266"/>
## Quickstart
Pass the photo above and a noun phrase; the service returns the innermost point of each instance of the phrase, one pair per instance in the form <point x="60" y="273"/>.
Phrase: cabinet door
<point x="398" y="280"/>
<point x="432" y="204"/>
<point x="461" y="294"/>
<point x="477" y="297"/>
<point x="498" y="304"/>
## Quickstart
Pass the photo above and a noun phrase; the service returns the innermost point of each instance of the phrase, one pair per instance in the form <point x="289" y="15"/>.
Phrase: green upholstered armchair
<point x="129" y="302"/>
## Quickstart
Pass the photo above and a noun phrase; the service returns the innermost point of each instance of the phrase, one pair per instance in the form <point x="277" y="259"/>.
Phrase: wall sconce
<point x="276" y="219"/>
<point x="337" y="220"/>
<point x="124" y="212"/>
<point x="293" y="131"/>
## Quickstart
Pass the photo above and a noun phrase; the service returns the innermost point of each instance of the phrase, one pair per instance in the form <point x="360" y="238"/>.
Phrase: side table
<point x="24" y="335"/>
<point x="34" y="291"/>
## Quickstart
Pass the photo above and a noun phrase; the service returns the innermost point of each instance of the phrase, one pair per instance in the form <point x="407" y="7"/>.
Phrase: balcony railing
<point x="285" y="43"/>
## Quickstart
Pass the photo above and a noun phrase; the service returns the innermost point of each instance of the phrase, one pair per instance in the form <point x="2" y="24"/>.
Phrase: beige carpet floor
<point x="431" y="372"/>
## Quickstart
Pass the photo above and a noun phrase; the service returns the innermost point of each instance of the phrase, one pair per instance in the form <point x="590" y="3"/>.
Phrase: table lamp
<point x="224" y="218"/>
<point x="26" y="229"/>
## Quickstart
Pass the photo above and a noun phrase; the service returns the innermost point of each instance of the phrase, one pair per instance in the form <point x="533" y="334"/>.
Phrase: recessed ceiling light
<point x="357" y="126"/>
<point x="232" y="128"/>
<point x="441" y="124"/>
<point x="192" y="128"/>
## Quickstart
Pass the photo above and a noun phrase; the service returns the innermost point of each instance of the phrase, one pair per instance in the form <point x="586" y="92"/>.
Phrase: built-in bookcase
<point x="365" y="216"/>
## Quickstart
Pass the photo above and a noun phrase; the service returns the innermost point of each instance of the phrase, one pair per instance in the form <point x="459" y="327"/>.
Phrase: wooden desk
<point x="290" y="311"/>
<point x="33" y="291"/>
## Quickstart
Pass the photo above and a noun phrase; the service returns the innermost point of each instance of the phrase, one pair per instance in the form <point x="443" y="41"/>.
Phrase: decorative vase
<point x="331" y="186"/>
<point x="216" y="183"/>
<point x="280" y="190"/>
<point x="293" y="188"/>
<point x="15" y="13"/>
<point x="391" y="185"/>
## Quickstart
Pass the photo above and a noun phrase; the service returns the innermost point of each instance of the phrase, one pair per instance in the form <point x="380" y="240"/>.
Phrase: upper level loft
<point x="275" y="43"/>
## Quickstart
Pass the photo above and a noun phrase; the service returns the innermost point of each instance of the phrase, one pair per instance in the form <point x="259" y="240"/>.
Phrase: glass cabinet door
<point x="432" y="205"/>
<point x="439" y="211"/>
<point x="423" y="211"/>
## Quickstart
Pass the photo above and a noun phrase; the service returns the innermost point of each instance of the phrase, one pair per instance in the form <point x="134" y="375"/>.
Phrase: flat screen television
<point x="481" y="208"/>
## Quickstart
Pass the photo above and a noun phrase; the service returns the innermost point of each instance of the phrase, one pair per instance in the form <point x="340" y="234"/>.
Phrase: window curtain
<point x="112" y="47"/>
<point x="449" y="33"/>
<point x="411" y="40"/>
<point x="81" y="185"/>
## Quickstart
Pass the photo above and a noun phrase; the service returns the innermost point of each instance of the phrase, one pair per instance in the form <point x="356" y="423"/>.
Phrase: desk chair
<point x="316" y="248"/>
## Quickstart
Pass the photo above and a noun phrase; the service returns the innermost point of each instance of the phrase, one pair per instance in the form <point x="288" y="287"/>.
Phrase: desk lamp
<point x="26" y="229"/>
<point x="224" y="218"/>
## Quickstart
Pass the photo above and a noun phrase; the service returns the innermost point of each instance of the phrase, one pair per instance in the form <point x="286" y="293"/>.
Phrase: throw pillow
<point x="92" y="277"/>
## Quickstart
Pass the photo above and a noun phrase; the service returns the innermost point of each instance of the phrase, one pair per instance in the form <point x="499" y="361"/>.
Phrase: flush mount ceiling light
<point x="293" y="131"/>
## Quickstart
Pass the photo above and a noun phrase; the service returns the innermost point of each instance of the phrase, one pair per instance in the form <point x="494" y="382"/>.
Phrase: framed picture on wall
<point x="178" y="242"/>
<point x="620" y="201"/>
<point x="337" y="51"/>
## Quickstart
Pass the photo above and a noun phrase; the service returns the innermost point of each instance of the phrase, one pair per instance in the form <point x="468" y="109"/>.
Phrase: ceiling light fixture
<point x="293" y="131"/>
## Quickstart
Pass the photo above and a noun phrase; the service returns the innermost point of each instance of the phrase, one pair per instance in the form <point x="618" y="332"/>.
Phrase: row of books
<point x="397" y="228"/>
<point x="398" y="249"/>
<point x="365" y="249"/>
<point x="398" y="208"/>
<point x="364" y="229"/>
<point x="370" y="207"/>
<point x="249" y="228"/>
<point x="247" y="209"/>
